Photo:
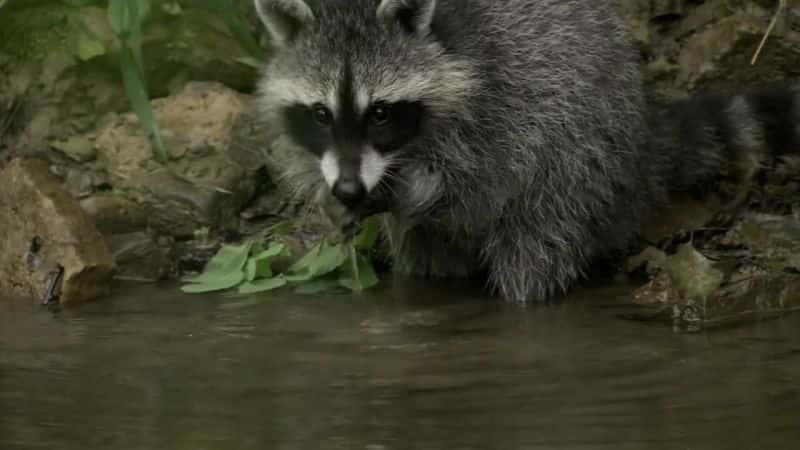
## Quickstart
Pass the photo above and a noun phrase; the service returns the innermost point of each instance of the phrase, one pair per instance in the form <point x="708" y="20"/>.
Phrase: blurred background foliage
<point x="56" y="51"/>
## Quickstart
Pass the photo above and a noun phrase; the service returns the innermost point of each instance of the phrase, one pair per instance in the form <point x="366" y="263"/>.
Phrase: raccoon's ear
<point x="414" y="15"/>
<point x="284" y="18"/>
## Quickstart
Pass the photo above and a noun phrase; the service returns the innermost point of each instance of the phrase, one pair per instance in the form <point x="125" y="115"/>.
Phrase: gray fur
<point x="388" y="11"/>
<point x="536" y="156"/>
<point x="283" y="18"/>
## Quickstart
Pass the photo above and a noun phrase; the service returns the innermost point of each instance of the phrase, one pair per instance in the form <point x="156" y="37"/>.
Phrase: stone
<point x="200" y="186"/>
<point x="682" y="213"/>
<point x="35" y="205"/>
<point x="139" y="257"/>
<point x="692" y="45"/>
<point x="773" y="240"/>
<point x="115" y="213"/>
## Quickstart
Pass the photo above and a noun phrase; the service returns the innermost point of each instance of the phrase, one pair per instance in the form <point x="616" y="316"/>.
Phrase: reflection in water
<point x="423" y="367"/>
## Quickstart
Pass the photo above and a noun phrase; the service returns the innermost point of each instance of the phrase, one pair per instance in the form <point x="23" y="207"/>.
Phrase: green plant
<point x="328" y="266"/>
<point x="237" y="26"/>
<point x="125" y="18"/>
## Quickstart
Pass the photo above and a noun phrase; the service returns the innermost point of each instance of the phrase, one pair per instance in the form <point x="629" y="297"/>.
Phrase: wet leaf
<point x="302" y="264"/>
<point x="219" y="282"/>
<point x="274" y="250"/>
<point x="230" y="260"/>
<point x="367" y="278"/>
<point x="260" y="265"/>
<point x="329" y="259"/>
<point x="321" y="260"/>
<point x="250" y="270"/>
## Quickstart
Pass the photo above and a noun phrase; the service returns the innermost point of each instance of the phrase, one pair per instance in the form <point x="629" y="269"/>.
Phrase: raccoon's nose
<point x="349" y="192"/>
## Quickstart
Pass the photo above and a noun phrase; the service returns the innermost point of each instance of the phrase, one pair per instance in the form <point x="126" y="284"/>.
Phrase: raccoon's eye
<point x="379" y="115"/>
<point x="321" y="115"/>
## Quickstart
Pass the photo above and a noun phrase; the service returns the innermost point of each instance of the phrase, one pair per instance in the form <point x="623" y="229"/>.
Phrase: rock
<point x="201" y="186"/>
<point x="682" y="213"/>
<point x="695" y="293"/>
<point x="774" y="241"/>
<point x="36" y="205"/>
<point x="657" y="291"/>
<point x="78" y="148"/>
<point x="81" y="180"/>
<point x="139" y="257"/>
<point x="116" y="213"/>
<point x="253" y="144"/>
<point x="192" y="256"/>
<point x="690" y="45"/>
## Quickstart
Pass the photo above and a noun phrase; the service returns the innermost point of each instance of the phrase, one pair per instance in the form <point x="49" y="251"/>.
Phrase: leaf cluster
<point x="253" y="267"/>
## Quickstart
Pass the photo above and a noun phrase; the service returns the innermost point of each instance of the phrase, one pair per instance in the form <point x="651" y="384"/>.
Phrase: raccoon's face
<point x="356" y="84"/>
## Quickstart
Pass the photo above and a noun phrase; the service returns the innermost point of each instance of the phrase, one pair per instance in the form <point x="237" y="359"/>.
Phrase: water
<point x="419" y="367"/>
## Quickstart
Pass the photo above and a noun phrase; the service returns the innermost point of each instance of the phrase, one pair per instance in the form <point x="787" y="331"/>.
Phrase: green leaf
<point x="119" y="17"/>
<point x="250" y="270"/>
<point x="140" y="102"/>
<point x="328" y="259"/>
<point x="259" y="286"/>
<point x="250" y="61"/>
<point x="260" y="265"/>
<point x="368" y="235"/>
<point x="88" y="47"/>
<point x="229" y="260"/>
<point x="220" y="282"/>
<point x="366" y="276"/>
<point x="355" y="275"/>
<point x="321" y="260"/>
<point x="274" y="250"/>
<point x="238" y="28"/>
<point x="134" y="41"/>
<point x="306" y="260"/>
<point x="257" y="247"/>
<point x="144" y="9"/>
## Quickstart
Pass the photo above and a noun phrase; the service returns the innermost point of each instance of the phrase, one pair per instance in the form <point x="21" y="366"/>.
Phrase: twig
<point x="781" y="7"/>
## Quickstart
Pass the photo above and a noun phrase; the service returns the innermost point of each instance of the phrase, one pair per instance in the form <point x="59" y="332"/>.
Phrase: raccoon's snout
<point x="349" y="191"/>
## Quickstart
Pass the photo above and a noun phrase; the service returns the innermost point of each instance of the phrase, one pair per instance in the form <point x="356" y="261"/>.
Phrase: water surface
<point x="417" y="367"/>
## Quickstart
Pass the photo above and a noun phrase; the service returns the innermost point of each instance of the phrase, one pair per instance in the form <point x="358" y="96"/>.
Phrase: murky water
<point x="398" y="369"/>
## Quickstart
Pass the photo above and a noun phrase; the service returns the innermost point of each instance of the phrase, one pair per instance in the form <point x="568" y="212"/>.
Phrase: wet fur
<point x="538" y="152"/>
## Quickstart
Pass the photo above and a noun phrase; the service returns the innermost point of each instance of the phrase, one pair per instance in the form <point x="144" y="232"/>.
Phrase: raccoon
<point x="509" y="139"/>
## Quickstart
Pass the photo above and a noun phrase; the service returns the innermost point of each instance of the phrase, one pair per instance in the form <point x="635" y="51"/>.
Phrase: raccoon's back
<point x="560" y="113"/>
